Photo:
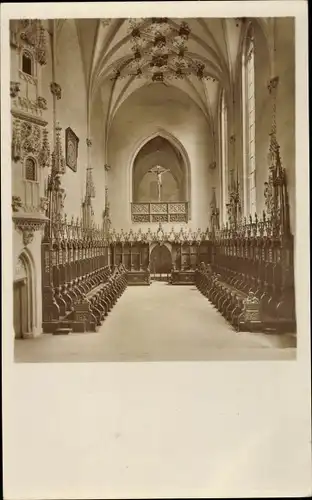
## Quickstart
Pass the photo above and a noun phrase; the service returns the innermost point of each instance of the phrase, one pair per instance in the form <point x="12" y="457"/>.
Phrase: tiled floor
<point x="158" y="323"/>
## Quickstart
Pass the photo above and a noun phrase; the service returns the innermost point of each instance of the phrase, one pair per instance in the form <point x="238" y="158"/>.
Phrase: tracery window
<point x="248" y="100"/>
<point x="27" y="63"/>
<point x="224" y="156"/>
<point x="30" y="169"/>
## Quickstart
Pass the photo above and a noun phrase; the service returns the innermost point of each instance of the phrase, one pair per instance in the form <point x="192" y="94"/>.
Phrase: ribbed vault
<point x="106" y="44"/>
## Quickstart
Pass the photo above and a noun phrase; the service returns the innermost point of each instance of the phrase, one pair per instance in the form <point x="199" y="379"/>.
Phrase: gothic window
<point x="224" y="155"/>
<point x="27" y="63"/>
<point x="30" y="169"/>
<point x="249" y="124"/>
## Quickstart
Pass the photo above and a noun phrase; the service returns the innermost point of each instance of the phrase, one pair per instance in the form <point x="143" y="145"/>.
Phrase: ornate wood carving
<point x="251" y="276"/>
<point x="160" y="212"/>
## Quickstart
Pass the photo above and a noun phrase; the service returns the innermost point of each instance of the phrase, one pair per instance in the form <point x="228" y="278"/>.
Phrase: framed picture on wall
<point x="71" y="146"/>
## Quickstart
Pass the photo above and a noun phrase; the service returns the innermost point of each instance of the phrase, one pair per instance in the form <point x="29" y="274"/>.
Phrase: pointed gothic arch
<point x="24" y="297"/>
<point x="177" y="145"/>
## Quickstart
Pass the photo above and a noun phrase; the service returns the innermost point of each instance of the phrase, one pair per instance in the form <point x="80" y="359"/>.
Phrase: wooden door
<point x="20" y="305"/>
<point x="160" y="260"/>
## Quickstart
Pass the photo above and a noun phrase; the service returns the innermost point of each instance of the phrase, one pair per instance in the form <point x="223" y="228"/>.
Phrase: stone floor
<point x="159" y="323"/>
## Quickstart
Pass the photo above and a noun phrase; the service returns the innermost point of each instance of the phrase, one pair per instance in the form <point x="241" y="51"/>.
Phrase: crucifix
<point x="159" y="171"/>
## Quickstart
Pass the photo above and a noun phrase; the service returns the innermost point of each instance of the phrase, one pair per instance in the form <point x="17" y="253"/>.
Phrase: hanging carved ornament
<point x="212" y="165"/>
<point x="28" y="237"/>
<point x="42" y="103"/>
<point x="56" y="90"/>
<point x="16" y="203"/>
<point x="14" y="88"/>
<point x="273" y="83"/>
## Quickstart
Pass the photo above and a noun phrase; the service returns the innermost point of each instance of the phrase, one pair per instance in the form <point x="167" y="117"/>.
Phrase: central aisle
<point x="157" y="323"/>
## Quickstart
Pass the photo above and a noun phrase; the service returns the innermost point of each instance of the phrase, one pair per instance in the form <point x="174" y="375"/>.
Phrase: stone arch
<point x="175" y="143"/>
<point x="166" y="244"/>
<point x="25" y="275"/>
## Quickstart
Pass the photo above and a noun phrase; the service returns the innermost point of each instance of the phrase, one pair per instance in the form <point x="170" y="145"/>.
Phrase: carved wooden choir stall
<point x="245" y="269"/>
<point x="250" y="279"/>
<point x="79" y="288"/>
<point x="133" y="250"/>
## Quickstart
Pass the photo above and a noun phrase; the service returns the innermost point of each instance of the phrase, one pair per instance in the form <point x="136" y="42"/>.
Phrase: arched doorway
<point x="160" y="262"/>
<point x="22" y="298"/>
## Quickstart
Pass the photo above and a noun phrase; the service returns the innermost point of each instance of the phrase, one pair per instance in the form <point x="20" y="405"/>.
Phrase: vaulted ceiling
<point x="107" y="44"/>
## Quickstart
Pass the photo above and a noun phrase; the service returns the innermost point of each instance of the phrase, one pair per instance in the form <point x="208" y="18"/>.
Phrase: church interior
<point x="153" y="189"/>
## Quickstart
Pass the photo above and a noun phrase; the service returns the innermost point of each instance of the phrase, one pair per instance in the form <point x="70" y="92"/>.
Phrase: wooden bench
<point x="179" y="277"/>
<point x="240" y="307"/>
<point x="139" y="277"/>
<point x="91" y="308"/>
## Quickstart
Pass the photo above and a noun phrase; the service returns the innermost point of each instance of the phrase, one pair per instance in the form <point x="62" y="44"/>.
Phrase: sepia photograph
<point x="153" y="189"/>
<point x="155" y="250"/>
